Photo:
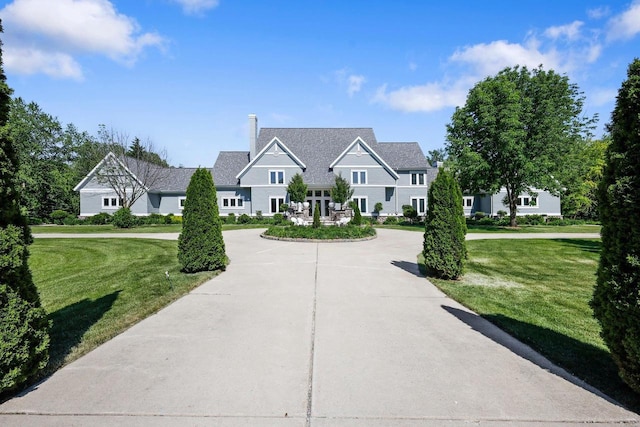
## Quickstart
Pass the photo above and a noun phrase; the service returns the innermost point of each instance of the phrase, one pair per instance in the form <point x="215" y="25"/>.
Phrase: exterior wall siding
<point x="234" y="193"/>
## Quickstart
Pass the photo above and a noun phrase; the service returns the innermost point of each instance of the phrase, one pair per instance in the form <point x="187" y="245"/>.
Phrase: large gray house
<point x="248" y="182"/>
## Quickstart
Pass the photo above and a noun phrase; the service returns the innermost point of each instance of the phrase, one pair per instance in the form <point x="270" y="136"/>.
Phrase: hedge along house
<point x="255" y="181"/>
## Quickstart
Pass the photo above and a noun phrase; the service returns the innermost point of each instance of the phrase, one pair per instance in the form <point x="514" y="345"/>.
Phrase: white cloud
<point x="413" y="66"/>
<point x="355" y="83"/>
<point x="626" y="25"/>
<point x="195" y="7"/>
<point x="599" y="12"/>
<point x="600" y="97"/>
<point x="570" y="31"/>
<point x="49" y="33"/>
<point x="423" y="98"/>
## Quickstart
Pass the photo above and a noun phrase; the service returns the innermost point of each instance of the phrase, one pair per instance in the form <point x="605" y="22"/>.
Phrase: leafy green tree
<point x="444" y="247"/>
<point x="200" y="245"/>
<point x="24" y="328"/>
<point x="515" y="131"/>
<point x="409" y="212"/>
<point x="297" y="189"/>
<point x="316" y="216"/>
<point x="357" y="215"/>
<point x="615" y="301"/>
<point x="436" y="155"/>
<point x="341" y="190"/>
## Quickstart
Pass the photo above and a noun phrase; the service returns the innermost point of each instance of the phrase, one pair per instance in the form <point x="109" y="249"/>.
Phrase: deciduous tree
<point x="514" y="132"/>
<point x="616" y="301"/>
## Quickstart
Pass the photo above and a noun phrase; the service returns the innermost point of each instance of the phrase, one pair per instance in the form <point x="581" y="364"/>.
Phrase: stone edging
<point x="292" y="239"/>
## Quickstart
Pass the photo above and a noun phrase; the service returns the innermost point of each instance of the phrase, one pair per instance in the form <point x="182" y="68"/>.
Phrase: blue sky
<point x="186" y="73"/>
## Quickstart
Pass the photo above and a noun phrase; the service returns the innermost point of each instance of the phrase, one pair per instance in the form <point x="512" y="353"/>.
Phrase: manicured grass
<point x="539" y="292"/>
<point x="92" y="229"/>
<point x="93" y="289"/>
<point x="323" y="233"/>
<point x="498" y="229"/>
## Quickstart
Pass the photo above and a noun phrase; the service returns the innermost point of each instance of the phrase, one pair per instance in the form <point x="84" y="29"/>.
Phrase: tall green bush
<point x="123" y="218"/>
<point x="616" y="300"/>
<point x="297" y="189"/>
<point x="24" y="328"/>
<point x="316" y="216"/>
<point x="341" y="190"/>
<point x="357" y="215"/>
<point x="444" y="246"/>
<point x="200" y="245"/>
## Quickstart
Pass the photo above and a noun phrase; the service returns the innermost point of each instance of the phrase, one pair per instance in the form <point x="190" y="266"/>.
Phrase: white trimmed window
<point x="467" y="202"/>
<point x="528" y="202"/>
<point x="358" y="177"/>
<point x="232" y="203"/>
<point x="276" y="177"/>
<point x="419" y="204"/>
<point x="274" y="204"/>
<point x="181" y="201"/>
<point x="362" y="203"/>
<point x="111" y="202"/>
<point x="418" y="178"/>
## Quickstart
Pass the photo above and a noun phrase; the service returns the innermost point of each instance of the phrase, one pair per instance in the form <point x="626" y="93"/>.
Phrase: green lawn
<point x="521" y="229"/>
<point x="93" y="289"/>
<point x="91" y="229"/>
<point x="539" y="292"/>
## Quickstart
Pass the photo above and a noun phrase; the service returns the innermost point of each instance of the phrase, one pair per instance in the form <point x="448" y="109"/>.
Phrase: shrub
<point x="409" y="212"/>
<point x="58" y="216"/>
<point x="34" y="220"/>
<point x="377" y="208"/>
<point x="259" y="216"/>
<point x="24" y="339"/>
<point x="278" y="218"/>
<point x="24" y="328"/>
<point x="502" y="214"/>
<point x="297" y="189"/>
<point x="486" y="221"/>
<point x="154" y="218"/>
<point x="444" y="247"/>
<point x="244" y="219"/>
<point x="479" y="215"/>
<point x="168" y="218"/>
<point x="71" y="220"/>
<point x="341" y="190"/>
<point x="316" y="216"/>
<point x="390" y="220"/>
<point x="231" y="218"/>
<point x="331" y="232"/>
<point x="200" y="245"/>
<point x="615" y="299"/>
<point x="357" y="216"/>
<point x="99" y="219"/>
<point x="123" y="218"/>
<point x="533" y="220"/>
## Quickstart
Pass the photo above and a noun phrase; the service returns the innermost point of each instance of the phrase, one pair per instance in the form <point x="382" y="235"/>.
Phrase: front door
<point x="322" y="197"/>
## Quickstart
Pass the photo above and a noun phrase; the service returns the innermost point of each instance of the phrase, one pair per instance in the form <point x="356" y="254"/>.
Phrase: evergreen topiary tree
<point x="297" y="189"/>
<point x="200" y="245"/>
<point x="615" y="300"/>
<point x="357" y="215"/>
<point x="444" y="248"/>
<point x="341" y="190"/>
<point x="316" y="216"/>
<point x="24" y="328"/>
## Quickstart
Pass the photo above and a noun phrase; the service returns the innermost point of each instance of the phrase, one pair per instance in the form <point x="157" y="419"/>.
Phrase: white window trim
<point x="180" y="199"/>
<point x="111" y="207"/>
<point x="418" y="174"/>
<point x="278" y="203"/>
<point x="520" y="203"/>
<point x="418" y="204"/>
<point x="239" y="203"/>
<point x="464" y="201"/>
<point x="359" y="172"/>
<point x="358" y="198"/>
<point x="277" y="171"/>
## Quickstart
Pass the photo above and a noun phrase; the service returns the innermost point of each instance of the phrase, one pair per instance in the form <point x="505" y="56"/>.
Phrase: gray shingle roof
<point x="227" y="166"/>
<point x="176" y="180"/>
<point x="402" y="155"/>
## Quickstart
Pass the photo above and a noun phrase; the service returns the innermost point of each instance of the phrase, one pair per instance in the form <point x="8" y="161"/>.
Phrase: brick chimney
<point x="253" y="135"/>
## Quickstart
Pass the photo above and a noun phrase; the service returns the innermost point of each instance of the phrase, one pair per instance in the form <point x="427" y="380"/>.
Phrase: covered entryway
<point x="320" y="196"/>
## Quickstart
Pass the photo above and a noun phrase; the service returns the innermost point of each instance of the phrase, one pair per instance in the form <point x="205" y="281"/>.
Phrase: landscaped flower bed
<point x="331" y="232"/>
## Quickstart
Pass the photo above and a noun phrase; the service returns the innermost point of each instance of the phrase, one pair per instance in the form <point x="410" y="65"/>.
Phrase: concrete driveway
<point x="308" y="334"/>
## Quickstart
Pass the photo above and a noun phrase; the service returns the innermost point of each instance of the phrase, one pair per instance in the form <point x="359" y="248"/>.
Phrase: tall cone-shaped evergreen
<point x="200" y="245"/>
<point x="616" y="298"/>
<point x="24" y="328"/>
<point x="444" y="247"/>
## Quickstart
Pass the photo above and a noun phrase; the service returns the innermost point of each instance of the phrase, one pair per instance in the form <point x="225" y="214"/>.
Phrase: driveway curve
<point x="310" y="334"/>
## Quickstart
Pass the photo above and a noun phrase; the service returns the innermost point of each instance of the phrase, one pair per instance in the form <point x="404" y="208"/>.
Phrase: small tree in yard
<point x="615" y="302"/>
<point x="297" y="189"/>
<point x="316" y="216"/>
<point x="200" y="245"/>
<point x="24" y="328"/>
<point x="409" y="212"/>
<point x="444" y="247"/>
<point x="341" y="190"/>
<point x="357" y="215"/>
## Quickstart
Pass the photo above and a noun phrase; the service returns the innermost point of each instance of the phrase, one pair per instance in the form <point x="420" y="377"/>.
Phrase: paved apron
<point x="329" y="334"/>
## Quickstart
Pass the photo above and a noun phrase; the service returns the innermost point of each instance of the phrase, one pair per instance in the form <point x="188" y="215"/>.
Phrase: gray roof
<point x="227" y="166"/>
<point x="317" y="148"/>
<point x="402" y="155"/>
<point x="176" y="180"/>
